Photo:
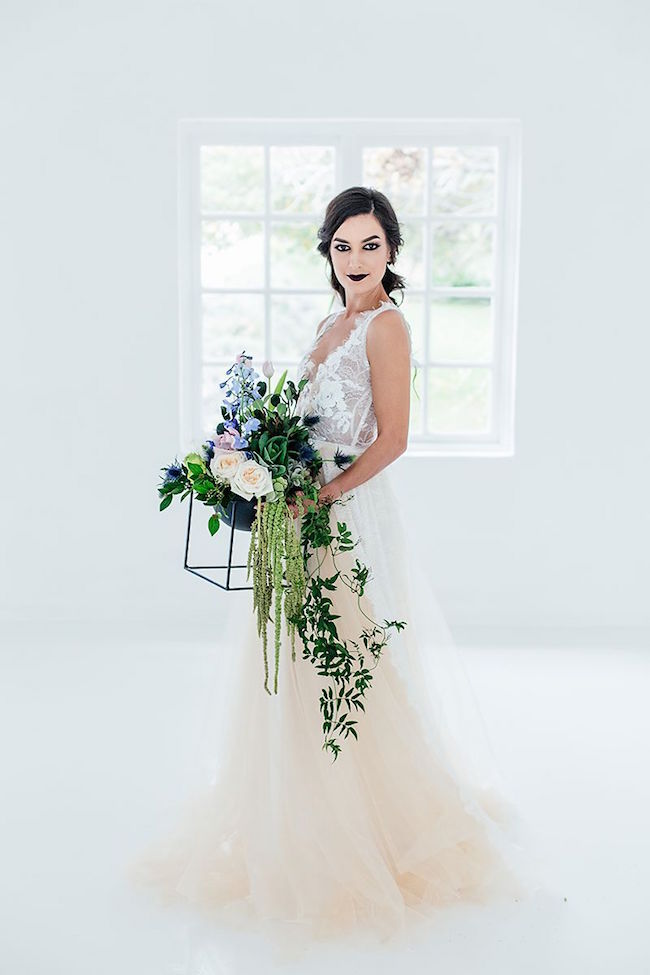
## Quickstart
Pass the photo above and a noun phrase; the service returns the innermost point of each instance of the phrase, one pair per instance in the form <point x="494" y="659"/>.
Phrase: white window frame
<point x="348" y="137"/>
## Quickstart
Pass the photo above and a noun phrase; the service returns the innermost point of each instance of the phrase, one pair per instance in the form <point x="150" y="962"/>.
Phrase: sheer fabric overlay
<point x="339" y="388"/>
<point x="412" y="816"/>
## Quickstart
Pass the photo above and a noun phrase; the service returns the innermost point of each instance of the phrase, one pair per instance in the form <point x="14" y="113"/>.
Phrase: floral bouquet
<point x="262" y="457"/>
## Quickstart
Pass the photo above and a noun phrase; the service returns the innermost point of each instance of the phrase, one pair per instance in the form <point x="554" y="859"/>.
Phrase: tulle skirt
<point x="411" y="816"/>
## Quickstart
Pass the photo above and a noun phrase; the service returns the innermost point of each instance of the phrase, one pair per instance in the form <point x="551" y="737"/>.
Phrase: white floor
<point x="97" y="731"/>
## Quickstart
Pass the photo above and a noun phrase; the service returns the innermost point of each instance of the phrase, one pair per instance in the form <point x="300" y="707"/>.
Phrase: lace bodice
<point x="339" y="388"/>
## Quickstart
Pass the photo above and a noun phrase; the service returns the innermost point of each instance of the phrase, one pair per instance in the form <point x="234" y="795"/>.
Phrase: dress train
<point x="409" y="818"/>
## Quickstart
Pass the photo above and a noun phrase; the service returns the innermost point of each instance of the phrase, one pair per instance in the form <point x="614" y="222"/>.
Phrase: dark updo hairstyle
<point x="349" y="203"/>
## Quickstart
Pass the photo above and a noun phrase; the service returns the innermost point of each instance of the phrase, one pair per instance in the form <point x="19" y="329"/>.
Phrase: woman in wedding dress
<point x="412" y="815"/>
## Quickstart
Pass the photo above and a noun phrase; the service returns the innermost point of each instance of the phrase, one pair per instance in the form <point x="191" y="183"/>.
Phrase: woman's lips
<point x="357" y="277"/>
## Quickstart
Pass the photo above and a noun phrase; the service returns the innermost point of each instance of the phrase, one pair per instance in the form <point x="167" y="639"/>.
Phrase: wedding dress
<point x="412" y="815"/>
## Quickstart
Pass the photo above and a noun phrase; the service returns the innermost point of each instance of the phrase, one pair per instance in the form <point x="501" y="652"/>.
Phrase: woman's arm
<point x="389" y="354"/>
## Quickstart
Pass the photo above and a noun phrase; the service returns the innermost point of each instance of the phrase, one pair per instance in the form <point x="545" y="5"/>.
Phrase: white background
<point x="554" y="539"/>
<point x="548" y="547"/>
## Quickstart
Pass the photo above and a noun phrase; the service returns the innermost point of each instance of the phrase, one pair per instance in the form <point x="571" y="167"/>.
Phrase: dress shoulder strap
<point x="326" y="324"/>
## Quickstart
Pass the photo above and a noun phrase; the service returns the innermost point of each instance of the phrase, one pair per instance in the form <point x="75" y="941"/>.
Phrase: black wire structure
<point x="229" y="566"/>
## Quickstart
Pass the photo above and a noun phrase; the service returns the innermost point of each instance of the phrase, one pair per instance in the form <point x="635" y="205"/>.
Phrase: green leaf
<point x="280" y="384"/>
<point x="165" y="503"/>
<point x="213" y="524"/>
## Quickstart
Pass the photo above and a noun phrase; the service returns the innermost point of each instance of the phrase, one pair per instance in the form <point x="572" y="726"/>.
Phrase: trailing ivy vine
<point x="308" y="610"/>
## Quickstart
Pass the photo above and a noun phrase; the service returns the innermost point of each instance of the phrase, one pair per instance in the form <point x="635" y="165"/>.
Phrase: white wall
<point x="91" y="94"/>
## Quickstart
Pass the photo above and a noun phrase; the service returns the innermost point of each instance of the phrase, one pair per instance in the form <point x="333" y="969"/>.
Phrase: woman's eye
<point x="373" y="245"/>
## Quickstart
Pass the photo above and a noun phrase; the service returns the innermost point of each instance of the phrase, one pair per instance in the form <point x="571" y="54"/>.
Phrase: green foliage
<point x="339" y="660"/>
<point x="195" y="476"/>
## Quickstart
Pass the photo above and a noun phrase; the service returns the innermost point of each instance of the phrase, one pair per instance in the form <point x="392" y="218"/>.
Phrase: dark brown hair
<point x="349" y="203"/>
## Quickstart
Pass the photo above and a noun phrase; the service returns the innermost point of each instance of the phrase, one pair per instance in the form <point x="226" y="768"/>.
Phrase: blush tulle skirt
<point x="411" y="817"/>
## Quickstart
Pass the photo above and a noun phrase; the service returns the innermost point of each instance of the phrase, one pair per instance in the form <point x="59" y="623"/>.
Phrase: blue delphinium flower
<point x="241" y="394"/>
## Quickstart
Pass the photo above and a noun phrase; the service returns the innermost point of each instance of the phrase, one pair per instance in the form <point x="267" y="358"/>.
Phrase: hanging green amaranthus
<point x="275" y="554"/>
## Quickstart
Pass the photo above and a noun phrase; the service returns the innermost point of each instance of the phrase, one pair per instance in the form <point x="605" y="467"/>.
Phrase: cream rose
<point x="226" y="463"/>
<point x="251" y="479"/>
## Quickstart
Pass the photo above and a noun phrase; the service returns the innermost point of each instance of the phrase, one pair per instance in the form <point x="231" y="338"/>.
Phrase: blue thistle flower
<point x="173" y="473"/>
<point x="341" y="458"/>
<point x="306" y="452"/>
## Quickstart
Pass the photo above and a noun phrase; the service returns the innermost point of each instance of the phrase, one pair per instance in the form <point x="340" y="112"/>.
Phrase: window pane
<point x="400" y="174"/>
<point x="410" y="261"/>
<point x="464" y="179"/>
<point x="295" y="262"/>
<point x="302" y="178"/>
<point x="293" y="324"/>
<point x="232" y="254"/>
<point x="232" y="178"/>
<point x="463" y="254"/>
<point x="458" y="400"/>
<point x="233" y="324"/>
<point x="460" y="328"/>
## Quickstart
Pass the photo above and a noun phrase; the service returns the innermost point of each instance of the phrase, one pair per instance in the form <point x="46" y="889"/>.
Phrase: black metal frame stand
<point x="229" y="565"/>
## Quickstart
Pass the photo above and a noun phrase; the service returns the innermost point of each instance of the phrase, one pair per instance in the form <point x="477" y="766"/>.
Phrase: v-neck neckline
<point x="347" y="338"/>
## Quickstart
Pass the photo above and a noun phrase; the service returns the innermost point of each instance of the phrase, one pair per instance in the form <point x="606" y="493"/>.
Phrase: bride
<point x="412" y="815"/>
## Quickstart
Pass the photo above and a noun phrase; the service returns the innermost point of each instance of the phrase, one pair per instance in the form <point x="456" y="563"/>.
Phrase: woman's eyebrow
<point x="344" y="241"/>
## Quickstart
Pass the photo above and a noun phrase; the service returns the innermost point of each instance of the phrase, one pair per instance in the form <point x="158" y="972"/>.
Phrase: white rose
<point x="226" y="463"/>
<point x="252" y="479"/>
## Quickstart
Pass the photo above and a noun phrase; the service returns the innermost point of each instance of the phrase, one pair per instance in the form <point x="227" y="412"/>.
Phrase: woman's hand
<point x="326" y="494"/>
<point x="307" y="503"/>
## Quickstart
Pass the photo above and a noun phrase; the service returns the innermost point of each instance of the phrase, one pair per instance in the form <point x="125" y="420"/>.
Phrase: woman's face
<point x="359" y="247"/>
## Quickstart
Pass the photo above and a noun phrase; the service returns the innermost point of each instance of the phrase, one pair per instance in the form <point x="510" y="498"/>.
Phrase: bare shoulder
<point x="388" y="330"/>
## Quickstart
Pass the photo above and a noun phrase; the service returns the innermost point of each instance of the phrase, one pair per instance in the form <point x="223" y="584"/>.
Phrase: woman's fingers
<point x="307" y="504"/>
